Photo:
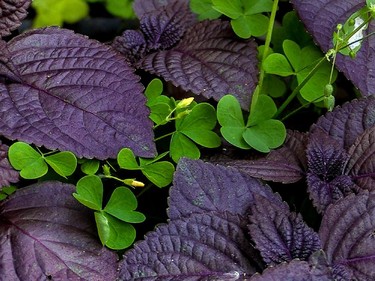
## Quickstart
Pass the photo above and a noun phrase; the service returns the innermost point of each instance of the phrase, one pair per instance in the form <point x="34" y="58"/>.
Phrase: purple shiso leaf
<point x="132" y="44"/>
<point x="12" y="12"/>
<point x="295" y="270"/>
<point x="344" y="124"/>
<point x="7" y="173"/>
<point x="200" y="187"/>
<point x="287" y="164"/>
<point x="73" y="94"/>
<point x="165" y="27"/>
<point x="280" y="235"/>
<point x="142" y="7"/>
<point x="46" y="234"/>
<point x="210" y="246"/>
<point x="208" y="61"/>
<point x="361" y="165"/>
<point x="321" y="18"/>
<point x="347" y="235"/>
<point x="325" y="177"/>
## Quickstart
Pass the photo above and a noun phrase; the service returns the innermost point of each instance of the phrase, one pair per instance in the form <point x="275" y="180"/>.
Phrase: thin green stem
<point x="144" y="190"/>
<point x="164" y="136"/>
<point x="266" y="49"/>
<point x="299" y="87"/>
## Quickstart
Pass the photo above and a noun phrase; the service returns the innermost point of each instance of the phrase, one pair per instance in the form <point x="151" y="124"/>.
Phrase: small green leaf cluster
<point x="247" y="18"/>
<point x="193" y="122"/>
<point x="158" y="172"/>
<point x="299" y="62"/>
<point x="56" y="12"/>
<point x="33" y="164"/>
<point x="114" y="221"/>
<point x="260" y="132"/>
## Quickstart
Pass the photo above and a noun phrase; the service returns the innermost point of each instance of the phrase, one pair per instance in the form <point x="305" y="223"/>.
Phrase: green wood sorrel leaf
<point x="64" y="163"/>
<point x="198" y="126"/>
<point x="229" y="115"/>
<point x="90" y="166"/>
<point x="277" y="64"/>
<point x="230" y="8"/>
<point x="182" y="146"/>
<point x="126" y="159"/>
<point x="261" y="132"/>
<point x="122" y="9"/>
<point x="204" y="9"/>
<point x="158" y="103"/>
<point x="122" y="205"/>
<point x="159" y="173"/>
<point x="26" y="159"/>
<point x="154" y="89"/>
<point x="114" y="233"/>
<point x="89" y="192"/>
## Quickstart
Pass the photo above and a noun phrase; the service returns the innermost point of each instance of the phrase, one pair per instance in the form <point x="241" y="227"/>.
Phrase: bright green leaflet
<point x="246" y="26"/>
<point x="24" y="158"/>
<point x="154" y="89"/>
<point x="64" y="163"/>
<point x="263" y="110"/>
<point x="229" y="115"/>
<point x="277" y="64"/>
<point x="230" y="8"/>
<point x="273" y="86"/>
<point x="6" y="191"/>
<point x="114" y="233"/>
<point x="122" y="205"/>
<point x="204" y="9"/>
<point x="90" y="166"/>
<point x="182" y="146"/>
<point x="121" y="8"/>
<point x="56" y="12"/>
<point x="160" y="173"/>
<point x="89" y="192"/>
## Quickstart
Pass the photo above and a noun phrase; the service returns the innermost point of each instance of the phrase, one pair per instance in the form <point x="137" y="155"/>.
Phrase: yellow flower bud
<point x="184" y="103"/>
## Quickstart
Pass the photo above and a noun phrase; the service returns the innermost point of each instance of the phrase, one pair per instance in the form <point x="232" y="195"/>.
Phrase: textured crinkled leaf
<point x="280" y="235"/>
<point x="208" y="61"/>
<point x="294" y="271"/>
<point x="132" y="44"/>
<point x="74" y="94"/>
<point x="166" y="26"/>
<point x="321" y="18"/>
<point x="12" y="12"/>
<point x="361" y="165"/>
<point x="347" y="235"/>
<point x="200" y="187"/>
<point x="287" y="164"/>
<point x="142" y="7"/>
<point x="325" y="177"/>
<point x="344" y="124"/>
<point x="46" y="234"/>
<point x="212" y="246"/>
<point x="7" y="173"/>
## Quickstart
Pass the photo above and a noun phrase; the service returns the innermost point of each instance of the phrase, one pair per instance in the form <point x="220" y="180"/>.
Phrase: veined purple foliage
<point x="12" y="12"/>
<point x="280" y="235"/>
<point x="67" y="92"/>
<point x="38" y="240"/>
<point x="321" y="18"/>
<point x="7" y="174"/>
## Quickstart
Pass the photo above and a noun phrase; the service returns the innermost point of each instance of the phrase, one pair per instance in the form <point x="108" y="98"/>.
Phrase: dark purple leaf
<point x="200" y="187"/>
<point x="7" y="173"/>
<point x="344" y="124"/>
<point x="208" y="61"/>
<point x="280" y="235"/>
<point x="132" y="44"/>
<point x="165" y="27"/>
<point x="361" y="166"/>
<point x="12" y="12"/>
<point x="287" y="164"/>
<point x="347" y="235"/>
<point x="46" y="234"/>
<point x="142" y="7"/>
<point x="321" y="18"/>
<point x="209" y="246"/>
<point x="325" y="178"/>
<point x="73" y="94"/>
<point x="295" y="270"/>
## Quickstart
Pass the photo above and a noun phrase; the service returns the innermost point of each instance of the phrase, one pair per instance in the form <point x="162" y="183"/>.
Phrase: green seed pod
<point x="328" y="90"/>
<point x="351" y="22"/>
<point x="339" y="27"/>
<point x="329" y="102"/>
